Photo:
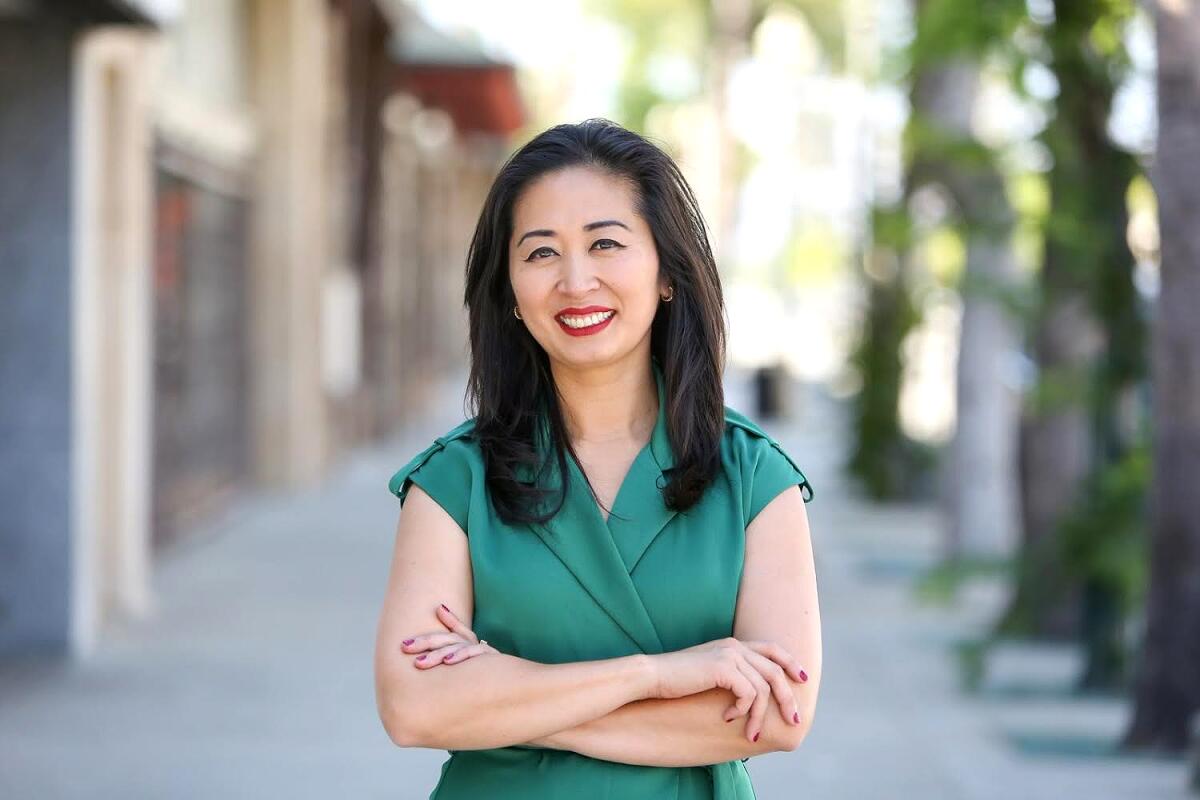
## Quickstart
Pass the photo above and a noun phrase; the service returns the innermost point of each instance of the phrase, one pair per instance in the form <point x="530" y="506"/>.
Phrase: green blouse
<point x="580" y="588"/>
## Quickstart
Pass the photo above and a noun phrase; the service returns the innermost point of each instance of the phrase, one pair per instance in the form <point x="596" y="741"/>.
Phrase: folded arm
<point x="680" y="732"/>
<point x="603" y="709"/>
<point x="494" y="699"/>
<point x="777" y="601"/>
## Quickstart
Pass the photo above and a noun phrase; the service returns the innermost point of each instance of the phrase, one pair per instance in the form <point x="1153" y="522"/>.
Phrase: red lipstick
<point x="589" y="330"/>
<point x="585" y="310"/>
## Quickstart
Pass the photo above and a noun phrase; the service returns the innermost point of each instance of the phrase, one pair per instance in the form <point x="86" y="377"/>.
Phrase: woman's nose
<point x="579" y="275"/>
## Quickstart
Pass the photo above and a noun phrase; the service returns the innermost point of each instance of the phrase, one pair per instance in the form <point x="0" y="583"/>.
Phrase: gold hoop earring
<point x="670" y="294"/>
<point x="517" y="313"/>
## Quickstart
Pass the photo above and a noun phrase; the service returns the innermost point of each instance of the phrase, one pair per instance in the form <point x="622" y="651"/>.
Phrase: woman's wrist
<point x="642" y="674"/>
<point x="647" y="676"/>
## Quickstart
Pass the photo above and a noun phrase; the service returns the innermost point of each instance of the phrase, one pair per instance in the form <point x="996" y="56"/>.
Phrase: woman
<point x="606" y="566"/>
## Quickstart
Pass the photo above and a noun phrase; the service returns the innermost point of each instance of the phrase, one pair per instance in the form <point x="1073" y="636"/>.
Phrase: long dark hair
<point x="511" y="387"/>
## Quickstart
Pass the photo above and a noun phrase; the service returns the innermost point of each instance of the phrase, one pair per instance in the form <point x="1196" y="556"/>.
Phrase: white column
<point x="112" y="328"/>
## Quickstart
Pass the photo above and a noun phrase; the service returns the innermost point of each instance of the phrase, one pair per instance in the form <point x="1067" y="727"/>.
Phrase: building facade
<point x="232" y="250"/>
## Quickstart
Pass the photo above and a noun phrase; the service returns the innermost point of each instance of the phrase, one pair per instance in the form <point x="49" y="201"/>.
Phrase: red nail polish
<point x="421" y="657"/>
<point x="756" y="736"/>
<point x="409" y="641"/>
<point x="796" y="717"/>
<point x="803" y="675"/>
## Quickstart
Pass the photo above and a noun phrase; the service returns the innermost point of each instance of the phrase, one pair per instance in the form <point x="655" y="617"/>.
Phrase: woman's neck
<point x="615" y="403"/>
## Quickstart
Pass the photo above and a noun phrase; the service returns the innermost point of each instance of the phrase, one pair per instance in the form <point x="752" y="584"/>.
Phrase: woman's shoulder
<point x="450" y="455"/>
<point x="738" y="424"/>
<point x="744" y="434"/>
<point x="759" y="456"/>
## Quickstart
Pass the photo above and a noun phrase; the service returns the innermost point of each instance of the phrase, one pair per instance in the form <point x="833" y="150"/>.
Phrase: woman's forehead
<point x="572" y="198"/>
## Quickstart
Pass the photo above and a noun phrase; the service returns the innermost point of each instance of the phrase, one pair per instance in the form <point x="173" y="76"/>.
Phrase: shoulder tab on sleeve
<point x="398" y="483"/>
<point x="739" y="420"/>
<point x="465" y="428"/>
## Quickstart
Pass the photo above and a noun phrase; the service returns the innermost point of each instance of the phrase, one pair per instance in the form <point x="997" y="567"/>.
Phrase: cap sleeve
<point x="774" y="470"/>
<point x="443" y="471"/>
<point x="766" y="468"/>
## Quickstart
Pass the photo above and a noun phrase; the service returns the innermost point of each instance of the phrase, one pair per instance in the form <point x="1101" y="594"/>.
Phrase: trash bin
<point x="770" y="386"/>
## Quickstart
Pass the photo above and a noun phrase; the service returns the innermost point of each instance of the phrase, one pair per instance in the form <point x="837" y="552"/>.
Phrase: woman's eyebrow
<point x="591" y="226"/>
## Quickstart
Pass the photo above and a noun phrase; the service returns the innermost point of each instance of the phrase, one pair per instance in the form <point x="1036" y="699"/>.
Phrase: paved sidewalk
<point x="891" y="721"/>
<point x="255" y="678"/>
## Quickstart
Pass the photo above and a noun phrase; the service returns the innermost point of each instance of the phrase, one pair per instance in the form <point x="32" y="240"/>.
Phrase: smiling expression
<point x="583" y="267"/>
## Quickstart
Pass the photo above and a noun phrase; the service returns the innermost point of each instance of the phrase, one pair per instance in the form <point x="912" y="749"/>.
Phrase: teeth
<point x="587" y="320"/>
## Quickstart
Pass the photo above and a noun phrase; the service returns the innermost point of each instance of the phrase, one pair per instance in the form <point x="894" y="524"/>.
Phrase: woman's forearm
<point x="497" y="700"/>
<point x="680" y="732"/>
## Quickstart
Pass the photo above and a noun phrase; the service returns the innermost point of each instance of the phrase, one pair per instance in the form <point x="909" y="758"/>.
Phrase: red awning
<point x="479" y="98"/>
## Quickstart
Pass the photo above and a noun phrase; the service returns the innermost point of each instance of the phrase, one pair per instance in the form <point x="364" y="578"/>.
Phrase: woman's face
<point x="583" y="267"/>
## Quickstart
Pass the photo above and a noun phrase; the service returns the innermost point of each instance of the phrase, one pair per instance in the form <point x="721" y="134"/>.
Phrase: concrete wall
<point x="35" y="335"/>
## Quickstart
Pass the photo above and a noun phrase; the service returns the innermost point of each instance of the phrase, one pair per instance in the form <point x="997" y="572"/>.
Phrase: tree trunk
<point x="981" y="492"/>
<point x="1088" y="343"/>
<point x="1168" y="684"/>
<point x="984" y="511"/>
<point x="1055" y="456"/>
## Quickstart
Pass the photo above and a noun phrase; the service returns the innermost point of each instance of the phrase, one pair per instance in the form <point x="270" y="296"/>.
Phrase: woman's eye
<point x="533" y="256"/>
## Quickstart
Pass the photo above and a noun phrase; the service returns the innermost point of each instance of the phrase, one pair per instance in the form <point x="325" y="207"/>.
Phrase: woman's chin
<point x="583" y="357"/>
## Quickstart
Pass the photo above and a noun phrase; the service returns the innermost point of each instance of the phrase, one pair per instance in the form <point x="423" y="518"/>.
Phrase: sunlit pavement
<point x="254" y="679"/>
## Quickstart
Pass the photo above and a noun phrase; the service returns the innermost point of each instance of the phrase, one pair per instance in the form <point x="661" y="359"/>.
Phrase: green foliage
<point x="924" y="139"/>
<point x="879" y="442"/>
<point x="892" y="228"/>
<point x="1085" y="269"/>
<point x="1060" y="388"/>
<point x="940" y="585"/>
<point x="950" y="29"/>
<point x="1028" y="195"/>
<point x="1069" y="229"/>
<point x="972" y="662"/>
<point x="948" y="32"/>
<point x="1104" y="540"/>
<point x="944" y="253"/>
<point x="1039" y="588"/>
<point x="1102" y="546"/>
<point x="883" y="458"/>
<point x="1017" y="300"/>
<point x="635" y="100"/>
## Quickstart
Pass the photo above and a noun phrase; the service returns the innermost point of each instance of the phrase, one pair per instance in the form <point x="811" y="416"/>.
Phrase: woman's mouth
<point x="585" y="324"/>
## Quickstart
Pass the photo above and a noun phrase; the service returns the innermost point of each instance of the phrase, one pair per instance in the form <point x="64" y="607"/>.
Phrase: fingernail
<point x="796" y="717"/>
<point x="756" y="736"/>
<point x="421" y="657"/>
<point x="444" y="606"/>
<point x="409" y="641"/>
<point x="803" y="675"/>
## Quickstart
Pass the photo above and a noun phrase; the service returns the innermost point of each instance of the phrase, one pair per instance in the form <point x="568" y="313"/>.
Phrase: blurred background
<point x="962" y="264"/>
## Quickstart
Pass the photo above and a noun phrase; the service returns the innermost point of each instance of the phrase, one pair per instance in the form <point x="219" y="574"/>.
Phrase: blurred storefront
<point x="243" y="258"/>
<point x="447" y="122"/>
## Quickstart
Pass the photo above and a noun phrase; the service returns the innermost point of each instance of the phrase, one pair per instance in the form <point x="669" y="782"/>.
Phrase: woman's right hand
<point x="751" y="670"/>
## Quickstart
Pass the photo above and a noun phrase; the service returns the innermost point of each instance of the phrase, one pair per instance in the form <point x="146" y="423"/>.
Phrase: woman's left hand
<point x="451" y="646"/>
